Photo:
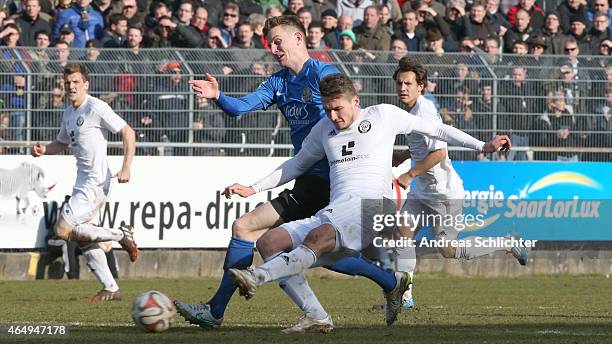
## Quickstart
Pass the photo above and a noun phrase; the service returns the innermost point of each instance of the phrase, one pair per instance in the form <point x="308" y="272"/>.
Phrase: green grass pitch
<point x="543" y="309"/>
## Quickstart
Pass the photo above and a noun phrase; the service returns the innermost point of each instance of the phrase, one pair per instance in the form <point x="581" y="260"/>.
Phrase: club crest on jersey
<point x="306" y="95"/>
<point x="364" y="126"/>
<point x="80" y="121"/>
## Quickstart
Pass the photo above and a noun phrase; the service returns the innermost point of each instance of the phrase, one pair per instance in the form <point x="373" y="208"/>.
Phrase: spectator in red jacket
<point x="536" y="13"/>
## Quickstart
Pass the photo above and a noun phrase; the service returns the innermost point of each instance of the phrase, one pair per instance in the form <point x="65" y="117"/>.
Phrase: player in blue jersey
<point x="295" y="90"/>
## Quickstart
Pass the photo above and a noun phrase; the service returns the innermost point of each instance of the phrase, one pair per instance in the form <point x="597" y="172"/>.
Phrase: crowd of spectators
<point x="151" y="93"/>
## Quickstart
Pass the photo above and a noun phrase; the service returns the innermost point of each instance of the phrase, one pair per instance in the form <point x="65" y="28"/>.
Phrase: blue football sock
<point x="240" y="256"/>
<point x="361" y="267"/>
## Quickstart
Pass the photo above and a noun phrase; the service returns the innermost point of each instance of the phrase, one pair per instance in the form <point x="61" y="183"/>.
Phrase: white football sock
<point x="96" y="260"/>
<point x="65" y="257"/>
<point x="293" y="294"/>
<point x="89" y="233"/>
<point x="473" y="251"/>
<point x="298" y="290"/>
<point x="405" y="259"/>
<point x="285" y="265"/>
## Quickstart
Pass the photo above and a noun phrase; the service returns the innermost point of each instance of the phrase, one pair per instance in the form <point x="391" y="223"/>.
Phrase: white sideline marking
<point x="572" y="333"/>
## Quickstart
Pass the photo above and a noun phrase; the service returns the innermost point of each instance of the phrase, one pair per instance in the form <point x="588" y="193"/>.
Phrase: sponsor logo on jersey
<point x="332" y="133"/>
<point x="346" y="147"/>
<point x="349" y="159"/>
<point x="364" y="126"/>
<point x="297" y="114"/>
<point x="80" y="121"/>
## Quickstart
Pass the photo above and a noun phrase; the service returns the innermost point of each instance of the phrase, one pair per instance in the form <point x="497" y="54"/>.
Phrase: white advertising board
<point x="173" y="202"/>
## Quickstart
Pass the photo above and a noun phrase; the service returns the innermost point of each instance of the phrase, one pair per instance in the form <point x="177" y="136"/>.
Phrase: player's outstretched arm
<point x="129" y="149"/>
<point x="286" y="172"/>
<point x="404" y="122"/>
<point x="52" y="148"/>
<point x="457" y="137"/>
<point x="311" y="152"/>
<point x="446" y="133"/>
<point x="257" y="100"/>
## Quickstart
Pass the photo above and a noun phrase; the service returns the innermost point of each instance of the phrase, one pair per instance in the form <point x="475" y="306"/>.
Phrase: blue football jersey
<point x="299" y="99"/>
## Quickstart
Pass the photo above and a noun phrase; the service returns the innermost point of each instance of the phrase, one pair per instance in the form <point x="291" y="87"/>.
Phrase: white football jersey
<point x="360" y="156"/>
<point x="441" y="181"/>
<point x="86" y="129"/>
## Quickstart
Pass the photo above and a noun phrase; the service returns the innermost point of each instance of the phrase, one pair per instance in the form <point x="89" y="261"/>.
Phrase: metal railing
<point x="553" y="108"/>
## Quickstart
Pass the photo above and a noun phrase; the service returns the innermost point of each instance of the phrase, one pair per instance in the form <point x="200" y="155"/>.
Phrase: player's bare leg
<point x="275" y="241"/>
<point x="252" y="225"/>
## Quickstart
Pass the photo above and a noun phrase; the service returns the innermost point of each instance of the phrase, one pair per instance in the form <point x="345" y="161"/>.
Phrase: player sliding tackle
<point x="358" y="145"/>
<point x="295" y="90"/>
<point x="437" y="188"/>
<point x="85" y="126"/>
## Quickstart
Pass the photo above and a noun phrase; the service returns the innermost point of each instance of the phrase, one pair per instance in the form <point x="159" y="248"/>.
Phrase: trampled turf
<point x="560" y="309"/>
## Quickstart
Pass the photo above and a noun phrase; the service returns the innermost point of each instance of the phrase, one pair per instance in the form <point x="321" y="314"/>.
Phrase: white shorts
<point x="444" y="208"/>
<point x="84" y="204"/>
<point x="345" y="215"/>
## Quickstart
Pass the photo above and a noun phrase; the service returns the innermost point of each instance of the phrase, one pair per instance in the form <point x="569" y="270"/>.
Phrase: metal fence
<point x="553" y="108"/>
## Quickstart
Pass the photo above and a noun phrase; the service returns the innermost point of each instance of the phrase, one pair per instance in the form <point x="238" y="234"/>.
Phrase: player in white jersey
<point x="85" y="126"/>
<point x="436" y="188"/>
<point x="358" y="145"/>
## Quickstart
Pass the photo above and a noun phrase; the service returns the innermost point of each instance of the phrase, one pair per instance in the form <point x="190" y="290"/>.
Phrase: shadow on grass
<point x="516" y="333"/>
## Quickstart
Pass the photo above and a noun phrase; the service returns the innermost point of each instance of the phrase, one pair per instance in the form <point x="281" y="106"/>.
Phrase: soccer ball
<point x="153" y="311"/>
